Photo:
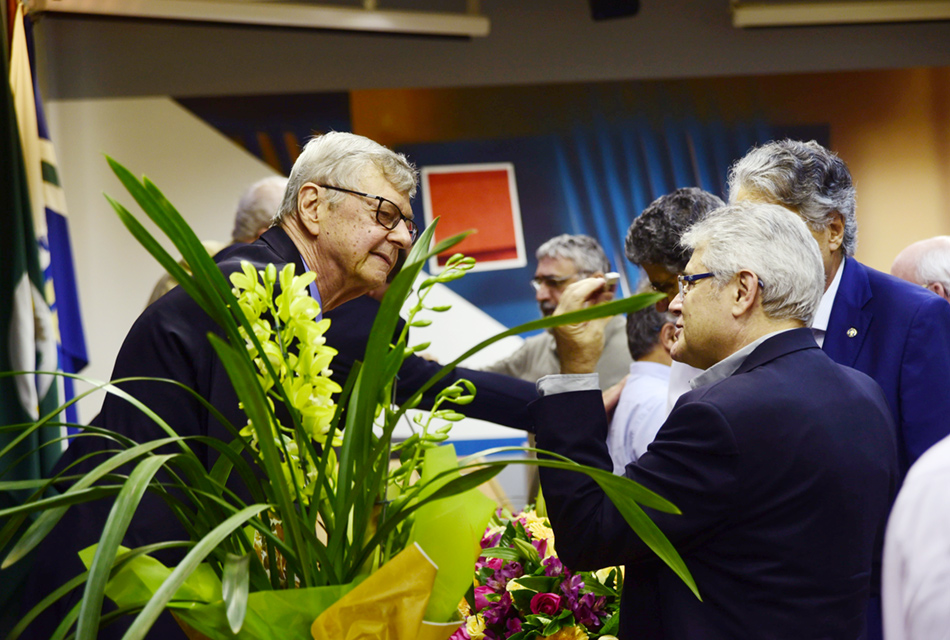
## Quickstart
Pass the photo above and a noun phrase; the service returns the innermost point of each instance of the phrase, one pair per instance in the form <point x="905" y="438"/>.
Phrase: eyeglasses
<point x="686" y="282"/>
<point x="387" y="216"/>
<point x="551" y="282"/>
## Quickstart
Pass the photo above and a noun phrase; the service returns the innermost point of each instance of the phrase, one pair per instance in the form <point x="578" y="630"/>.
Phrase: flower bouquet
<point x="302" y="527"/>
<point x="523" y="591"/>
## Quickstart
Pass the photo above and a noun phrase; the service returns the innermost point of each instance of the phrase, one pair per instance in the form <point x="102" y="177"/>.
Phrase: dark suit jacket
<point x="784" y="472"/>
<point x="169" y="340"/>
<point x="901" y="338"/>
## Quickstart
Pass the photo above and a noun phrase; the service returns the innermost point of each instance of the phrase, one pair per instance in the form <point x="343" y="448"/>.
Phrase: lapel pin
<point x="852" y="332"/>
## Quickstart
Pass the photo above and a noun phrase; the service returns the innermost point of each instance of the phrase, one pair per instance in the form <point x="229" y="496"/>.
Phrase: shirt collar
<point x="823" y="314"/>
<point x="314" y="292"/>
<point x="730" y="364"/>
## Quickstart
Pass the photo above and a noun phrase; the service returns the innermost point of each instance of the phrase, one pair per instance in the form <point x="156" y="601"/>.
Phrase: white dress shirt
<point x="915" y="586"/>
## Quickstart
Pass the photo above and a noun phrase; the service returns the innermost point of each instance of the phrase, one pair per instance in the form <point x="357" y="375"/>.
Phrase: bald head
<point x="926" y="263"/>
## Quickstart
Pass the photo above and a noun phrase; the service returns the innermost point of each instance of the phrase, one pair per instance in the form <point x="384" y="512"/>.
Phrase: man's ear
<point x="310" y="207"/>
<point x="835" y="232"/>
<point x="667" y="336"/>
<point x="939" y="289"/>
<point x="747" y="286"/>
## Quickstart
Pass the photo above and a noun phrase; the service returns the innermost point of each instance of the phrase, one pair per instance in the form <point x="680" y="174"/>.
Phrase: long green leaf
<point x="114" y="530"/>
<point x="235" y="587"/>
<point x="156" y="604"/>
<point x="246" y="384"/>
<point x="48" y="519"/>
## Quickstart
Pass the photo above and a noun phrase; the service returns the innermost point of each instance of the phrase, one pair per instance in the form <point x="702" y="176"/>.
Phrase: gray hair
<point x="339" y="159"/>
<point x="257" y="208"/>
<point x="773" y="243"/>
<point x="933" y="265"/>
<point x="803" y="176"/>
<point x="654" y="237"/>
<point x="643" y="330"/>
<point x="585" y="252"/>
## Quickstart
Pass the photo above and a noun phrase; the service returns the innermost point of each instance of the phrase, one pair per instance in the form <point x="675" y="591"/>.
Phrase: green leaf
<point x="235" y="587"/>
<point x="505" y="553"/>
<point x="146" y="618"/>
<point x="114" y="530"/>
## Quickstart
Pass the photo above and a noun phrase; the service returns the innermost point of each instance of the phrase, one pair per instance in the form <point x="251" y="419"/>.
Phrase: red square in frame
<point x="483" y="197"/>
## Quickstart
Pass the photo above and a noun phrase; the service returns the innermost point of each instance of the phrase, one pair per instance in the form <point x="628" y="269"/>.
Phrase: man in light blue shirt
<point x="642" y="406"/>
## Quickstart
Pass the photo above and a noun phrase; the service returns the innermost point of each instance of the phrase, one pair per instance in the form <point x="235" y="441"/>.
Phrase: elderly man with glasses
<point x="345" y="215"/>
<point x="782" y="462"/>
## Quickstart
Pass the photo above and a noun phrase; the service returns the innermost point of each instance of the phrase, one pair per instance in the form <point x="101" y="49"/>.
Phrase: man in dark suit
<point x="782" y="462"/>
<point x="895" y="332"/>
<point x="345" y="216"/>
<point x="889" y="329"/>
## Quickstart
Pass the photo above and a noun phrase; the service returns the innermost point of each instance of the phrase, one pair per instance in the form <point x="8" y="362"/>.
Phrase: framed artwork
<point x="483" y="197"/>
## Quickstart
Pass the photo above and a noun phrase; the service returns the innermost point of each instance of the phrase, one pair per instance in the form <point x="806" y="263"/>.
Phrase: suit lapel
<point x="850" y="315"/>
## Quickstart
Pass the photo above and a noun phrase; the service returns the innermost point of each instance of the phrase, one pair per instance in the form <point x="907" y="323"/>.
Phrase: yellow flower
<point x="475" y="625"/>
<point x="464" y="609"/>
<point x="571" y="633"/>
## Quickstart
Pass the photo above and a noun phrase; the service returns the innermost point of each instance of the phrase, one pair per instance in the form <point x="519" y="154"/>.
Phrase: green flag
<point x="27" y="333"/>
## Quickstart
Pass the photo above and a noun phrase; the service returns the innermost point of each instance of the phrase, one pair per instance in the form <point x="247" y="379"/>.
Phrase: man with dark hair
<point x="654" y="244"/>
<point x="653" y="240"/>
<point x="642" y="405"/>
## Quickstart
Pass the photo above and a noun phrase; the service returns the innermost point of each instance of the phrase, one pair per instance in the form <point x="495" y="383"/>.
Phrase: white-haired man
<point x="892" y="331"/>
<point x="782" y="462"/>
<point x="927" y="263"/>
<point x="345" y="215"/>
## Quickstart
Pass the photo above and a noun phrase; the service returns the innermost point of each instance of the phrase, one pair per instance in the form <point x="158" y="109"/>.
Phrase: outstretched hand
<point x="579" y="345"/>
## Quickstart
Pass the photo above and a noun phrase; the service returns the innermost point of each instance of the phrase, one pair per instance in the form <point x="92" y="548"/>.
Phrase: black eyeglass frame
<point x="410" y="224"/>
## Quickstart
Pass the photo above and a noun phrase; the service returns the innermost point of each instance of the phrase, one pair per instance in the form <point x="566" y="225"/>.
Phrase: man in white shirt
<point x="916" y="581"/>
<point x="642" y="406"/>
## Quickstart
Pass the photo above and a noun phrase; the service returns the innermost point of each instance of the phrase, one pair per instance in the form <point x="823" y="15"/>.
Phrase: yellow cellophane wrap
<point x="388" y="605"/>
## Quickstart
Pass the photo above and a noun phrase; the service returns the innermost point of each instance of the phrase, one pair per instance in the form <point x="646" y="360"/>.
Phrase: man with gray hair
<point x="345" y="215"/>
<point x="926" y="263"/>
<point x="782" y="462"/>
<point x="257" y="207"/>
<point x="895" y="332"/>
<point x="562" y="260"/>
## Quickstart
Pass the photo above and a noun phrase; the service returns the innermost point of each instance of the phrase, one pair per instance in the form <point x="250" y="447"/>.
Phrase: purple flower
<point x="497" y="612"/>
<point x="513" y="625"/>
<point x="541" y="546"/>
<point x="587" y="609"/>
<point x="500" y="579"/>
<point x="552" y="566"/>
<point x="571" y="589"/>
<point x="481" y="601"/>
<point x="491" y="540"/>
<point x="546" y="603"/>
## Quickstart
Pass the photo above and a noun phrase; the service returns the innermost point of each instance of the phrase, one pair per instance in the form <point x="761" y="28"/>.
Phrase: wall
<point x="199" y="170"/>
<point x="891" y="127"/>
